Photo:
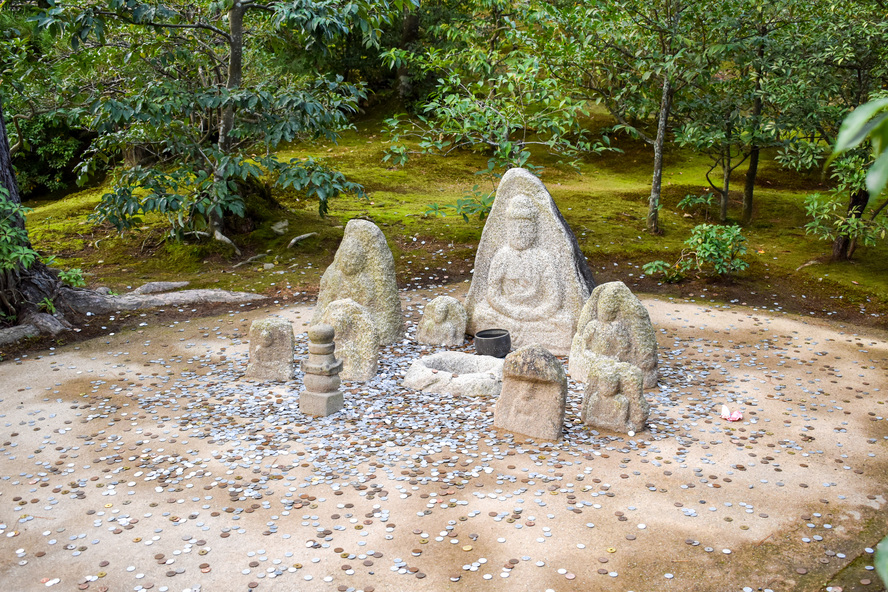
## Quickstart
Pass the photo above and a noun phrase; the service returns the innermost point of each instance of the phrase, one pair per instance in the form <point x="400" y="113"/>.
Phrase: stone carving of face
<point x="522" y="233"/>
<point x="353" y="257"/>
<point x="609" y="385"/>
<point x="608" y="308"/>
<point x="522" y="216"/>
<point x="440" y="313"/>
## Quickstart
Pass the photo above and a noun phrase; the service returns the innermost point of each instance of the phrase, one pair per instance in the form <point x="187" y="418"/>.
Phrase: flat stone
<point x="456" y="373"/>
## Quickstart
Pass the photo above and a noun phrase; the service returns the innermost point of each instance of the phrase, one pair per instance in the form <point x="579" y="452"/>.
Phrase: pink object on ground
<point x="730" y="416"/>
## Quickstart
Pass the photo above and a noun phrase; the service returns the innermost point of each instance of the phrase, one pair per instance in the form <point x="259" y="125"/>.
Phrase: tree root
<point x="250" y="260"/>
<point x="216" y="235"/>
<point x="89" y="302"/>
<point x="300" y="238"/>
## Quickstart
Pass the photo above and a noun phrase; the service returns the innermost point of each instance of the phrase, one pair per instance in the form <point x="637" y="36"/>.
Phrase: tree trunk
<point x="842" y="244"/>
<point x="21" y="290"/>
<point x="749" y="188"/>
<point x="409" y="34"/>
<point x="757" y="107"/>
<point x="726" y="181"/>
<point x="653" y="217"/>
<point x="235" y="71"/>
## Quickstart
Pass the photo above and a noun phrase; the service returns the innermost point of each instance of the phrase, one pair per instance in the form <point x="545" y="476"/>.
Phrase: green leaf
<point x="881" y="560"/>
<point x="877" y="177"/>
<point x="850" y="133"/>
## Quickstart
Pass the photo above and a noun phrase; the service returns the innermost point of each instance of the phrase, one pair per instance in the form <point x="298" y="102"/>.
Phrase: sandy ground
<point x="144" y="461"/>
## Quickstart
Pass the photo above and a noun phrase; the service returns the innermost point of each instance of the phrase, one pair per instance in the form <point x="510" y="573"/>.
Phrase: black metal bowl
<point x="493" y="342"/>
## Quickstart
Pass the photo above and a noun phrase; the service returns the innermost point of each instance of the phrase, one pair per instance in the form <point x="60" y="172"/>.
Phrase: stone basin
<point x="456" y="373"/>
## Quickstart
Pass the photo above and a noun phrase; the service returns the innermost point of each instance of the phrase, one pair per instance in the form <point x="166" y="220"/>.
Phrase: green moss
<point x="605" y="202"/>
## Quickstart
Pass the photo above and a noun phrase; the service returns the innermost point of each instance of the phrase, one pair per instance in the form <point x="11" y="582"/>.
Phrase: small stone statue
<point x="321" y="396"/>
<point x="530" y="276"/>
<point x="356" y="342"/>
<point x="271" y="349"/>
<point x="534" y="394"/>
<point x="614" y="396"/>
<point x="364" y="270"/>
<point x="614" y="323"/>
<point x="443" y="322"/>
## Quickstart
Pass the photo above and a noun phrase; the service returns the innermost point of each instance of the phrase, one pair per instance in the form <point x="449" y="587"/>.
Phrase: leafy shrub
<point x="49" y="154"/>
<point x="714" y="250"/>
<point x="14" y="248"/>
<point x="188" y="197"/>
<point x="474" y="202"/>
<point x="72" y="277"/>
<point x="698" y="203"/>
<point x="830" y="219"/>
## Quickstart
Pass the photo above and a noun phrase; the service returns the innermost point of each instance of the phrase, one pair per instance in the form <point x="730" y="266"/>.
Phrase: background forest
<point x="686" y="141"/>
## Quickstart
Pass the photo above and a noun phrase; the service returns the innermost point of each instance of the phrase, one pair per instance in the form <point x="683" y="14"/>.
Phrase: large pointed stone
<point x="363" y="270"/>
<point x="530" y="276"/>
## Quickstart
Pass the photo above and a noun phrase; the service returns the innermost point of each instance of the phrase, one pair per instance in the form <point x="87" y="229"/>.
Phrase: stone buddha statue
<point x="530" y="277"/>
<point x="522" y="284"/>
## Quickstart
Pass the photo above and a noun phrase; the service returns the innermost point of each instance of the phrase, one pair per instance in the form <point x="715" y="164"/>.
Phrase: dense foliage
<point x="186" y="103"/>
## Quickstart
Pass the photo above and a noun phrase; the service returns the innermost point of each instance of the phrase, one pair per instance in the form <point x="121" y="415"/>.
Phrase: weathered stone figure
<point x="363" y="270"/>
<point x="456" y="373"/>
<point x="443" y="322"/>
<point x="614" y="396"/>
<point x="321" y="396"/>
<point x="530" y="276"/>
<point x="355" y="337"/>
<point x="616" y="324"/>
<point x="271" y="349"/>
<point x="533" y="396"/>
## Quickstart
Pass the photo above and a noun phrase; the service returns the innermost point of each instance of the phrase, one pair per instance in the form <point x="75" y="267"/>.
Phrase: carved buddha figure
<point x="522" y="284"/>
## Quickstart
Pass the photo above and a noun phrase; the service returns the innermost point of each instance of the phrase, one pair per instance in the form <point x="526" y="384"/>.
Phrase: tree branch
<point x="203" y="26"/>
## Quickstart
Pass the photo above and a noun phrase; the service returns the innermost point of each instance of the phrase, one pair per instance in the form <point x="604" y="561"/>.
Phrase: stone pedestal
<point x="321" y="396"/>
<point x="534" y="394"/>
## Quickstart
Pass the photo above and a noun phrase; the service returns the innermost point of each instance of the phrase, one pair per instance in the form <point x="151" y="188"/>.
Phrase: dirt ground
<point x="143" y="460"/>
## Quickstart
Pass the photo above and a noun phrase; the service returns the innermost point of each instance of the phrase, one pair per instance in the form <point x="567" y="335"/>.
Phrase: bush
<point x="830" y="219"/>
<point x="713" y="250"/>
<point x="698" y="204"/>
<point x="474" y="202"/>
<point x="14" y="248"/>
